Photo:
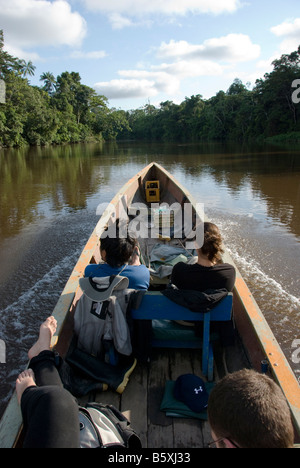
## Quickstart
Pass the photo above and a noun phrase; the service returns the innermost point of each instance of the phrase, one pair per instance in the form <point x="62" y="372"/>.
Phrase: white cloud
<point x="119" y="11"/>
<point x="164" y="78"/>
<point x="161" y="81"/>
<point x="94" y="55"/>
<point x="168" y="7"/>
<point x="231" y="48"/>
<point x="212" y="58"/>
<point x="288" y="28"/>
<point x="122" y="89"/>
<point x="31" y="23"/>
<point x="290" y="31"/>
<point x="119" y="22"/>
<point x="22" y="54"/>
<point x="191" y="68"/>
<point x="139" y="83"/>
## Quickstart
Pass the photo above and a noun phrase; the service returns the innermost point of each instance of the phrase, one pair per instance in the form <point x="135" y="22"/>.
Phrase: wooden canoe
<point x="141" y="399"/>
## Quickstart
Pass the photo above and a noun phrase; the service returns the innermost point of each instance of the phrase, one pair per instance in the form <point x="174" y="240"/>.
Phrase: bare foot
<point x="47" y="330"/>
<point x="25" y="380"/>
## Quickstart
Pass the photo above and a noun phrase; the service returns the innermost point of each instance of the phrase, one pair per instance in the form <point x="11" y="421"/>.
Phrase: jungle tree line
<point x="63" y="110"/>
<point x="240" y="114"/>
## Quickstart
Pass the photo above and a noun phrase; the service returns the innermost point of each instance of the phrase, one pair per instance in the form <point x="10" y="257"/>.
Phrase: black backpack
<point x="103" y="426"/>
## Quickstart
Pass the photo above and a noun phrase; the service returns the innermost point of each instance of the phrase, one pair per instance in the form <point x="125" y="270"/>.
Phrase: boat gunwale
<point x="11" y="421"/>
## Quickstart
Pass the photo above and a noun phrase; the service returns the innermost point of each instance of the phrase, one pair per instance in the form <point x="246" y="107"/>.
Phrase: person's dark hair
<point x="118" y="249"/>
<point x="212" y="246"/>
<point x="250" y="409"/>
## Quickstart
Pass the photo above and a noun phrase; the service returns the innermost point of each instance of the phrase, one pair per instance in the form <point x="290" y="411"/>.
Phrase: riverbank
<point x="291" y="137"/>
<point x="283" y="138"/>
<point x="24" y="145"/>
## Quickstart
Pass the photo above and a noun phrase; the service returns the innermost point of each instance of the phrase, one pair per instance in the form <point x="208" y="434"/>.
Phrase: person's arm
<point x="135" y="258"/>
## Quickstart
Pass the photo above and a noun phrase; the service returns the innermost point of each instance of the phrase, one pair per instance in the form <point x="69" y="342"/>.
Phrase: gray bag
<point x="100" y="315"/>
<point x="103" y="426"/>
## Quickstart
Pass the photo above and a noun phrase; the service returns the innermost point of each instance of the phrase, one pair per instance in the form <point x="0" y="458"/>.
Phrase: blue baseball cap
<point x="191" y="390"/>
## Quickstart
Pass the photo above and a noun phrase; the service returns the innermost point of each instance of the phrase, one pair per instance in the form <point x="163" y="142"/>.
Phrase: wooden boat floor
<point x="142" y="398"/>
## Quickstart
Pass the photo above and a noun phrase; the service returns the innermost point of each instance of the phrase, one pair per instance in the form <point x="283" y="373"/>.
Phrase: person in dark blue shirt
<point x="120" y="257"/>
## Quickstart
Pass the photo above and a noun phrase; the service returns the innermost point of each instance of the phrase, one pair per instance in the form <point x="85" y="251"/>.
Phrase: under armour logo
<point x="198" y="390"/>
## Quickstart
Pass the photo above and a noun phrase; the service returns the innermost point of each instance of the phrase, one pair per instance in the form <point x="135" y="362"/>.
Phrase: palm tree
<point x="50" y="82"/>
<point x="27" y="68"/>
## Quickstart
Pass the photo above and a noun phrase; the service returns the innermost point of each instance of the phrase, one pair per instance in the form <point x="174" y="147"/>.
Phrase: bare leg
<point x="47" y="330"/>
<point x="50" y="413"/>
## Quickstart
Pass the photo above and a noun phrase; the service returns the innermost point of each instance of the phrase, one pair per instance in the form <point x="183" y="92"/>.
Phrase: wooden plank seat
<point x="168" y="334"/>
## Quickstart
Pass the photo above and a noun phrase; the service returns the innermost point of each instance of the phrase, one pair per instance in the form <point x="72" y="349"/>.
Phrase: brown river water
<point x="48" y="203"/>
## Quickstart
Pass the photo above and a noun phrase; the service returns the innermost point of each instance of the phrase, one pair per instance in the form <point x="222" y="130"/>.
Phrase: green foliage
<point x="238" y="114"/>
<point x="62" y="111"/>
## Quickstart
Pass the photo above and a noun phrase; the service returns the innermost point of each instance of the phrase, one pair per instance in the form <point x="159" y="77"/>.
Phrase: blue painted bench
<point x="167" y="334"/>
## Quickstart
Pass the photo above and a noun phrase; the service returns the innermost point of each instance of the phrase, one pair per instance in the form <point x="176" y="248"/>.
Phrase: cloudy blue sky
<point x="140" y="51"/>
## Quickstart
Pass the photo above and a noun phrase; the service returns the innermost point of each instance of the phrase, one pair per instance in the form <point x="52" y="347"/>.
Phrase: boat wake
<point x="267" y="259"/>
<point x="20" y="321"/>
<point x="268" y="284"/>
